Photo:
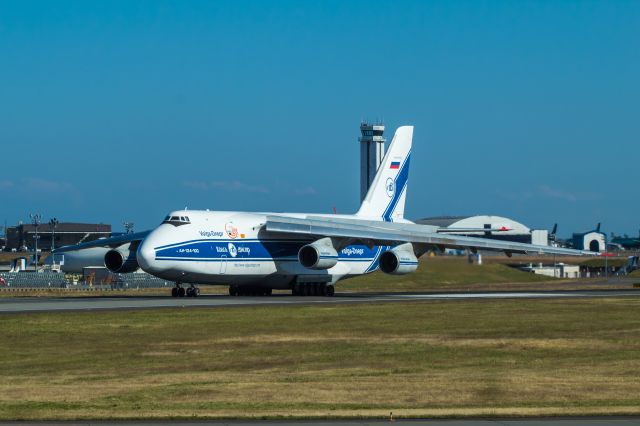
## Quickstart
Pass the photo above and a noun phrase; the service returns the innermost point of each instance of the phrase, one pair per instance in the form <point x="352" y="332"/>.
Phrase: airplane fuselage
<point x="232" y="248"/>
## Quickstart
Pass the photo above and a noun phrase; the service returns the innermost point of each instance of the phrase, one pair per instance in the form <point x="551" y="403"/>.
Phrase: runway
<point x="53" y="304"/>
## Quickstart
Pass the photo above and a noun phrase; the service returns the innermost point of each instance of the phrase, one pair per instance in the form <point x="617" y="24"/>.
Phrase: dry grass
<point x="535" y="357"/>
<point x="7" y="257"/>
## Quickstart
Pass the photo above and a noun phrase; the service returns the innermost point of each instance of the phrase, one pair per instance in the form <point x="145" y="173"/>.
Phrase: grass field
<point x="525" y="357"/>
<point x="442" y="273"/>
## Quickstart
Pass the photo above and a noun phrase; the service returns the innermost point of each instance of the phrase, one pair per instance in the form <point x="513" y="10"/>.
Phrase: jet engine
<point x="122" y="259"/>
<point x="399" y="260"/>
<point x="318" y="255"/>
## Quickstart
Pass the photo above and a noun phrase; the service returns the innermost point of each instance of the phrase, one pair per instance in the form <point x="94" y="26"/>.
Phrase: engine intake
<point x="399" y="260"/>
<point x="318" y="255"/>
<point x="121" y="260"/>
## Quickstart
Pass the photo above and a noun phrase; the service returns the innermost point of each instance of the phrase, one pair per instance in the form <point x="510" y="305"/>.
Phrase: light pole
<point x="53" y="223"/>
<point x="35" y="219"/>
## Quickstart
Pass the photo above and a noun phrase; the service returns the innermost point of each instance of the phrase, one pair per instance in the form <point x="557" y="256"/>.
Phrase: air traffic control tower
<point x="371" y="154"/>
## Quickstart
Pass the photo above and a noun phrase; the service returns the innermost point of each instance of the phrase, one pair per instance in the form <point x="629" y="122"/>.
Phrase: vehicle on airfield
<point x="254" y="253"/>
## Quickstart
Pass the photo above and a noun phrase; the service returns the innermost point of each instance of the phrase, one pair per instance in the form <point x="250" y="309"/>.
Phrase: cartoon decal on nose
<point x="231" y="230"/>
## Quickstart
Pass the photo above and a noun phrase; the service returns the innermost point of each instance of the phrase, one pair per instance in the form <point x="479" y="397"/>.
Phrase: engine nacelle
<point x="318" y="255"/>
<point x="399" y="260"/>
<point x="121" y="260"/>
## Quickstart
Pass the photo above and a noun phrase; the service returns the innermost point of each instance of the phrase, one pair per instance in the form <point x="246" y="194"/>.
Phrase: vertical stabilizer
<point x="386" y="197"/>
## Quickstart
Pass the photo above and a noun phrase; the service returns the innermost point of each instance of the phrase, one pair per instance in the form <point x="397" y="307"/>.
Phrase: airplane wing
<point x="112" y="242"/>
<point x="371" y="232"/>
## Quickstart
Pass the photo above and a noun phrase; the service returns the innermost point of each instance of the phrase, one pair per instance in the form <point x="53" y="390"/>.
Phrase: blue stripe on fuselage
<point x="277" y="250"/>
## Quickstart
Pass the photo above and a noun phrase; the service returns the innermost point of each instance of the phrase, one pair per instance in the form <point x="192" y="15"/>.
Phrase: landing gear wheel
<point x="233" y="290"/>
<point x="329" y="291"/>
<point x="174" y="292"/>
<point x="181" y="292"/>
<point x="190" y="292"/>
<point x="268" y="292"/>
<point x="196" y="291"/>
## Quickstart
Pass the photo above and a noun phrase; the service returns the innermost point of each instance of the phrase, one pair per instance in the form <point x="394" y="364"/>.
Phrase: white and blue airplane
<point x="254" y="253"/>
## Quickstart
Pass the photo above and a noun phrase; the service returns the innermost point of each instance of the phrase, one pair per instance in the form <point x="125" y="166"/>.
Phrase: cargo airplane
<point x="254" y="253"/>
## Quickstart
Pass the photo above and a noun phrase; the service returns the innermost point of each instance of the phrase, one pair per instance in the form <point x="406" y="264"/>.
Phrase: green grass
<point x="415" y="359"/>
<point x="602" y="262"/>
<point x="438" y="273"/>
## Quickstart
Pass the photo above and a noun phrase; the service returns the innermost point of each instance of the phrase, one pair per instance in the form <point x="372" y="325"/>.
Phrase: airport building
<point x="22" y="237"/>
<point x="497" y="227"/>
<point x="559" y="270"/>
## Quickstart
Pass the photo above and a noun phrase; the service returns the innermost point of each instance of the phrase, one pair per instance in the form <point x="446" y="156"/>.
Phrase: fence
<point x="58" y="280"/>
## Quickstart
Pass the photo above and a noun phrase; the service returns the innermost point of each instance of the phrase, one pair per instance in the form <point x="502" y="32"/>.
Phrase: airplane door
<point x="223" y="265"/>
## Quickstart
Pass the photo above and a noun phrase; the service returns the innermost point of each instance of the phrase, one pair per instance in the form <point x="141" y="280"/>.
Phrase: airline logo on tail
<point x="391" y="187"/>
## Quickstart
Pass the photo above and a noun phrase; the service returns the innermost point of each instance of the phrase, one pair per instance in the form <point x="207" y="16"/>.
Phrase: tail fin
<point x="386" y="196"/>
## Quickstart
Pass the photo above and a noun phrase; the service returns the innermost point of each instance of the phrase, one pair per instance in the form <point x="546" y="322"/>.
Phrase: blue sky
<point x="113" y="111"/>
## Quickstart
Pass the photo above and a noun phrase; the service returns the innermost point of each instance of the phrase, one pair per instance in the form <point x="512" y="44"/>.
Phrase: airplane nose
<point x="146" y="256"/>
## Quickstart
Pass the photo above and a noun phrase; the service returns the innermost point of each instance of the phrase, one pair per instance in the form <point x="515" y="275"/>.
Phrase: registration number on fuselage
<point x="188" y="250"/>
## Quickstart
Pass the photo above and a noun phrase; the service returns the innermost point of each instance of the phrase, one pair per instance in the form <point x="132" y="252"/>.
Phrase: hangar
<point x="513" y="230"/>
<point x="590" y="240"/>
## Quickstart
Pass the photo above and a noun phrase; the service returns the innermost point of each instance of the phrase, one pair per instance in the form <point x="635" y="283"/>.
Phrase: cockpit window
<point x="176" y="220"/>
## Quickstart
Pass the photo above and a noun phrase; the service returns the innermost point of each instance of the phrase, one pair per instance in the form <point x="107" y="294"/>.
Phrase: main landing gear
<point x="179" y="291"/>
<point x="238" y="290"/>
<point x="313" y="289"/>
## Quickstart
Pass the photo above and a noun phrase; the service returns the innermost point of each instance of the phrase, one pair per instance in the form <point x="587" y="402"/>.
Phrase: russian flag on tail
<point x="395" y="165"/>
